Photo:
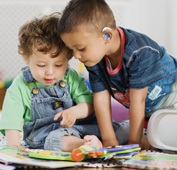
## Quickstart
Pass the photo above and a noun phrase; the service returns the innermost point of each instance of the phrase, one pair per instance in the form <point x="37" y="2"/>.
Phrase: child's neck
<point x="115" y="53"/>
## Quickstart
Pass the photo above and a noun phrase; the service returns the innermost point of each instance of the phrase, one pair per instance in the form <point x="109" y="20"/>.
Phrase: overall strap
<point x="66" y="73"/>
<point x="67" y="70"/>
<point x="28" y="77"/>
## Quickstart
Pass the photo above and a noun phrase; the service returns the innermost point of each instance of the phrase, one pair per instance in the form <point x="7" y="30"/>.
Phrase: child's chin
<point x="89" y="64"/>
<point x="48" y="83"/>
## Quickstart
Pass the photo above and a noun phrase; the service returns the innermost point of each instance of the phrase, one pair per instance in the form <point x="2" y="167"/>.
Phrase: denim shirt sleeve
<point x="144" y="67"/>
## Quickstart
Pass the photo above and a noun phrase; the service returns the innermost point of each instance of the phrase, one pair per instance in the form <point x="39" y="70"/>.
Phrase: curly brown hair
<point x="42" y="35"/>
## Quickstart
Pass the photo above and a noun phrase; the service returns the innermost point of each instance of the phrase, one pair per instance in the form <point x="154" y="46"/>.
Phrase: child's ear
<point x="107" y="33"/>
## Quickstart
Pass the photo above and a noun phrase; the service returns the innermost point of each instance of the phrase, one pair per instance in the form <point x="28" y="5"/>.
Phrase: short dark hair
<point x="94" y="13"/>
<point x="42" y="34"/>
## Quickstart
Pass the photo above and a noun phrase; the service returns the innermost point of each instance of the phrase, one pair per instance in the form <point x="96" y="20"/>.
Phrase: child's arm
<point x="102" y="106"/>
<point x="13" y="137"/>
<point x="69" y="116"/>
<point x="137" y="114"/>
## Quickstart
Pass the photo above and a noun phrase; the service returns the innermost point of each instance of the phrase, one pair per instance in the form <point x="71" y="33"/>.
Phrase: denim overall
<point x="42" y="131"/>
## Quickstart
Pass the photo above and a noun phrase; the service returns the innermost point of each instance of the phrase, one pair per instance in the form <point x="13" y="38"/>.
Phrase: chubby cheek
<point x="39" y="77"/>
<point x="59" y="73"/>
<point x="37" y="74"/>
<point x="97" y="49"/>
<point x="96" y="54"/>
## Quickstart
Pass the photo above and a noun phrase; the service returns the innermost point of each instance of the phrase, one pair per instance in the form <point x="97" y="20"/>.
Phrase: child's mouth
<point x="48" y="81"/>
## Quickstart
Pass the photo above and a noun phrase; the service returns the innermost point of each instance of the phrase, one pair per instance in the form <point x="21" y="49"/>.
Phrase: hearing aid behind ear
<point x="106" y="28"/>
<point x="106" y="35"/>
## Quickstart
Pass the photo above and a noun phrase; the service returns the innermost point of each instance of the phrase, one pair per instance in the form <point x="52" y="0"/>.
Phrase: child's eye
<point x="40" y="65"/>
<point x="82" y="49"/>
<point x="58" y="65"/>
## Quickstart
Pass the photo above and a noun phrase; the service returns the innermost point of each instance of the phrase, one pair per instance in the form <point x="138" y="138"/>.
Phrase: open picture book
<point x="151" y="160"/>
<point x="12" y="157"/>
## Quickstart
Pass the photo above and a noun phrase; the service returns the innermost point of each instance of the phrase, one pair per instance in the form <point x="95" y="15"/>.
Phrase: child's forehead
<point x="53" y="52"/>
<point x="79" y="37"/>
<point x="62" y="56"/>
<point x="86" y="28"/>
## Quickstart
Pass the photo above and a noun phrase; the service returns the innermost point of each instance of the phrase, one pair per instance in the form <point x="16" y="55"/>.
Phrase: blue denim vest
<point x="44" y="105"/>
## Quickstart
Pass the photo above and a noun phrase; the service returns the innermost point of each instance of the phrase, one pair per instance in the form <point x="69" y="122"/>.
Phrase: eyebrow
<point x="77" y="45"/>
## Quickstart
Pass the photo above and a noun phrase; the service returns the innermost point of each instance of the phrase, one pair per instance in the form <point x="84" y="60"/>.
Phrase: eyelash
<point x="41" y="65"/>
<point x="58" y="65"/>
<point x="83" y="49"/>
<point x="44" y="65"/>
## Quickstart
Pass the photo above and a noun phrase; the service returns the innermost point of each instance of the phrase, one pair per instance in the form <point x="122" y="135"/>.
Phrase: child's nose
<point x="77" y="55"/>
<point x="49" y="71"/>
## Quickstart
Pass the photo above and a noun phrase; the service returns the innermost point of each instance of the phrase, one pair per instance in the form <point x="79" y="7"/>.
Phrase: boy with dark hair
<point x="122" y="63"/>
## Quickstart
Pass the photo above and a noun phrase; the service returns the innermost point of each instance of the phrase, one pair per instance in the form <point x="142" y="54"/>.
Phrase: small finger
<point x="57" y="116"/>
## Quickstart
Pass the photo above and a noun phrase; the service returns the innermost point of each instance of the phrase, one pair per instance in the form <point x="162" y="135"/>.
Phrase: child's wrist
<point x="110" y="142"/>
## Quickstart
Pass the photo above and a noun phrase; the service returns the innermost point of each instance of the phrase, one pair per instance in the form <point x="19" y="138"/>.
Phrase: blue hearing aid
<point x="106" y="35"/>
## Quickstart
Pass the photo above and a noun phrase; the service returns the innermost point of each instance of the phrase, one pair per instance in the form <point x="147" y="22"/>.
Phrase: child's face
<point x="47" y="70"/>
<point x="89" y="48"/>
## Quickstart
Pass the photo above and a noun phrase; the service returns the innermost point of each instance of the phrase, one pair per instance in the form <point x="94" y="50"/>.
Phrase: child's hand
<point x="68" y="118"/>
<point x="93" y="141"/>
